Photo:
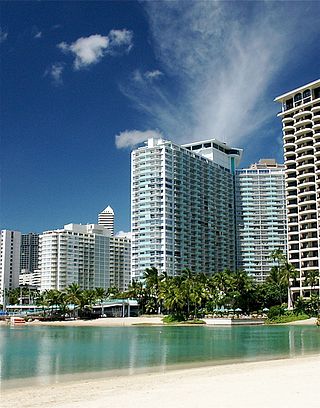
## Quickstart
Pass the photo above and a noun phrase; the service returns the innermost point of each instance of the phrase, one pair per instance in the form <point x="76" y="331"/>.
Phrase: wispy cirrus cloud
<point x="130" y="138"/>
<point x="38" y="35"/>
<point x="55" y="72"/>
<point x="221" y="58"/>
<point x="3" y="35"/>
<point x="90" y="50"/>
<point x="141" y="77"/>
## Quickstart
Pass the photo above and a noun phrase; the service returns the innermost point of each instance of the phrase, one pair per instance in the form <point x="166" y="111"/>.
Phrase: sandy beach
<point x="280" y="383"/>
<point x="130" y="321"/>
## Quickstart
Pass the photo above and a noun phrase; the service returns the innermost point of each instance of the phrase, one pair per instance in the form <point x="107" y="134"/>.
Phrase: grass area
<point x="170" y="319"/>
<point x="286" y="318"/>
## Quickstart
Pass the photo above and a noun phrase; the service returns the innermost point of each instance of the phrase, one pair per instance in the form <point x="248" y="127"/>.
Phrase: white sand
<point x="109" y="321"/>
<point x="281" y="383"/>
<point x="130" y="321"/>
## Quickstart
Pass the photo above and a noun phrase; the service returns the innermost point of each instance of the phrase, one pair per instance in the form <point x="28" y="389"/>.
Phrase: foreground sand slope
<point x="281" y="383"/>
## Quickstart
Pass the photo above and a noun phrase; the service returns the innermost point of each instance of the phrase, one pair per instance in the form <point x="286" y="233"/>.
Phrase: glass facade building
<point x="260" y="216"/>
<point x="182" y="207"/>
<point x="29" y="252"/>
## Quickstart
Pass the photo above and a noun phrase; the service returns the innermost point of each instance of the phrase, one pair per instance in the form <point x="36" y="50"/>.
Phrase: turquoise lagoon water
<point x="37" y="353"/>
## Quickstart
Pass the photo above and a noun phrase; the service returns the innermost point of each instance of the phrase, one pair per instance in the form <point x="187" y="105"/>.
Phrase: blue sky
<point x="82" y="82"/>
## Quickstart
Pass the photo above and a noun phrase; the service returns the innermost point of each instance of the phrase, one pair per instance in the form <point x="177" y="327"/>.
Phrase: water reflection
<point x="41" y="352"/>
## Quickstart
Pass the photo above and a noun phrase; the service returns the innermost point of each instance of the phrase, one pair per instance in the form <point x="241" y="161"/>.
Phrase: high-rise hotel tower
<point x="260" y="216"/>
<point x="301" y="136"/>
<point x="106" y="218"/>
<point x="182" y="207"/>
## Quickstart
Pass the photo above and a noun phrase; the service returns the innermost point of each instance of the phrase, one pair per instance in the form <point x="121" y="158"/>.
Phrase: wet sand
<point x="279" y="383"/>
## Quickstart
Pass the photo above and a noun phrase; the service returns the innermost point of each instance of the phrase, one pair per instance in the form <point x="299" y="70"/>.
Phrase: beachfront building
<point x="106" y="218"/>
<point x="10" y="242"/>
<point x="300" y="116"/>
<point x="84" y="254"/>
<point x="260" y="216"/>
<point x="29" y="253"/>
<point x="120" y="262"/>
<point x="32" y="280"/>
<point x="75" y="254"/>
<point x="182" y="207"/>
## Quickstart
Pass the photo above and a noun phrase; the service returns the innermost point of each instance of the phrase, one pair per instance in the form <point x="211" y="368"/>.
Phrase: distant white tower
<point x="106" y="218"/>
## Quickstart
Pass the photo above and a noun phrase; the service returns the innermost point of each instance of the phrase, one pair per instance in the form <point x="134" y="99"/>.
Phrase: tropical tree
<point x="172" y="296"/>
<point x="312" y="278"/>
<point x="283" y="271"/>
<point x="100" y="294"/>
<point x="152" y="285"/>
<point x="74" y="295"/>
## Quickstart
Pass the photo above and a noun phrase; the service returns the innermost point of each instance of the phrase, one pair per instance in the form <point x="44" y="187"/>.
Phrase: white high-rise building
<point x="75" y="254"/>
<point x="182" y="207"/>
<point x="86" y="255"/>
<point x="9" y="261"/>
<point x="106" y="218"/>
<point x="260" y="216"/>
<point x="300" y="116"/>
<point x="120" y="262"/>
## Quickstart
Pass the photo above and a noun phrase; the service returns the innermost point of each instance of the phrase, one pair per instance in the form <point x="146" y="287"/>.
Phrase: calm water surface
<point x="36" y="353"/>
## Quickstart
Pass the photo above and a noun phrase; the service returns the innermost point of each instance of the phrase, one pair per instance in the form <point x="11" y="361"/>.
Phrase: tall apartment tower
<point x="9" y="261"/>
<point x="260" y="216"/>
<point x="300" y="116"/>
<point x="75" y="254"/>
<point x="29" y="252"/>
<point x="86" y="255"/>
<point x="182" y="207"/>
<point x="120" y="262"/>
<point x="106" y="218"/>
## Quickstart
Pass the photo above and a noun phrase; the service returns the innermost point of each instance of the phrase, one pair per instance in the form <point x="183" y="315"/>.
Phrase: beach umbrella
<point x="265" y="309"/>
<point x="238" y="309"/>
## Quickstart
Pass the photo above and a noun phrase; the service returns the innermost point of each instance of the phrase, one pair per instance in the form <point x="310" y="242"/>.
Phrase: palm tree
<point x="152" y="285"/>
<point x="52" y="298"/>
<point x="312" y="278"/>
<point x="187" y="287"/>
<point x="172" y="296"/>
<point x="284" y="270"/>
<point x="100" y="294"/>
<point x="41" y="300"/>
<point x="74" y="295"/>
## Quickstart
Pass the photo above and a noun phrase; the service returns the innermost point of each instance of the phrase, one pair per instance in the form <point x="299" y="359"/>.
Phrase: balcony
<point x="303" y="130"/>
<point x="301" y="113"/>
<point x="288" y="127"/>
<point x="303" y="123"/>
<point x="287" y="120"/>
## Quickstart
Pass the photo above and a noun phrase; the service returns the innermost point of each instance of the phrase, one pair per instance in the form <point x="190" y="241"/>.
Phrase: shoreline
<point x="283" y="382"/>
<point x="134" y="321"/>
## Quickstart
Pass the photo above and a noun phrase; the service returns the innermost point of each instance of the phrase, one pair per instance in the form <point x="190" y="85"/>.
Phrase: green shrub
<point x="276" y="311"/>
<point x="173" y="319"/>
<point x="287" y="318"/>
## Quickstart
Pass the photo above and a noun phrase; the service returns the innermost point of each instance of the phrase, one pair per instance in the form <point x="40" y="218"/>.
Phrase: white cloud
<point x="130" y="138"/>
<point x="55" y="72"/>
<point x="3" y="35"/>
<point x="146" y="76"/>
<point x="123" y="234"/>
<point x="90" y="50"/>
<point x="38" y="35"/>
<point x="153" y="74"/>
<point x="222" y="59"/>
<point x="119" y="38"/>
